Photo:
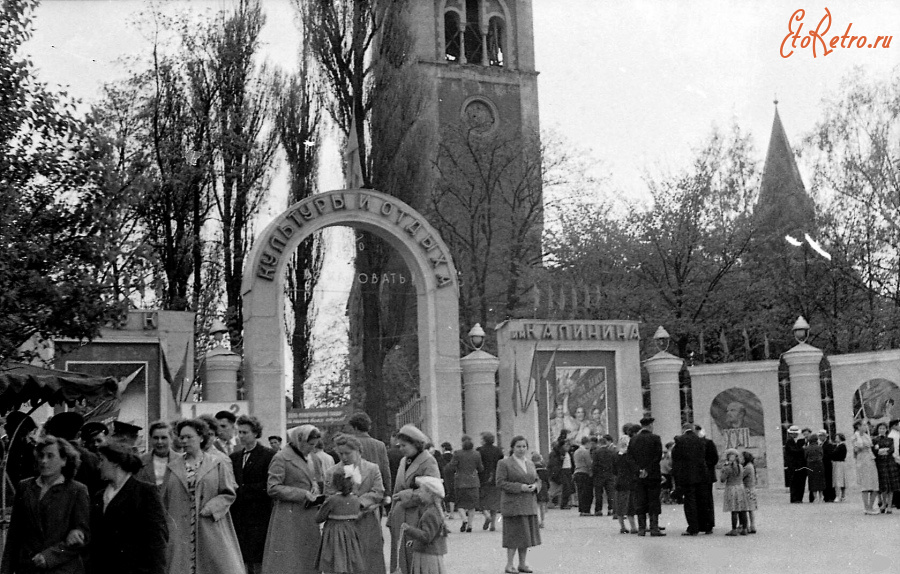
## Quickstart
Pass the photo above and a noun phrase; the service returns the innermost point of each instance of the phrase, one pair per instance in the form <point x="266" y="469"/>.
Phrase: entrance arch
<point x="437" y="295"/>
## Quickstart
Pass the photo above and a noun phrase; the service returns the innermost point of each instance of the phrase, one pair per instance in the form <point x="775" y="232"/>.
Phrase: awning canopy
<point x="22" y="384"/>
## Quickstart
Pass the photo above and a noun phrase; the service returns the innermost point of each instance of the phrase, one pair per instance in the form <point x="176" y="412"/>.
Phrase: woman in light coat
<point x="519" y="485"/>
<point x="293" y="538"/>
<point x="371" y="494"/>
<point x="416" y="461"/>
<point x="197" y="494"/>
<point x="866" y="472"/>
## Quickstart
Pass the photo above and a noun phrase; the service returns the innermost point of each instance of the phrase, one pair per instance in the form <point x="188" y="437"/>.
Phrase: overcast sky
<point x="637" y="82"/>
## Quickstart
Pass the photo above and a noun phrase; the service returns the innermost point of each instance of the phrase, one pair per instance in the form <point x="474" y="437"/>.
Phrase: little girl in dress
<point x="340" y="551"/>
<point x="735" y="499"/>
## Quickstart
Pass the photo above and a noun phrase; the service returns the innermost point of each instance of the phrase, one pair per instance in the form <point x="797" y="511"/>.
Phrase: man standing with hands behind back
<point x="645" y="449"/>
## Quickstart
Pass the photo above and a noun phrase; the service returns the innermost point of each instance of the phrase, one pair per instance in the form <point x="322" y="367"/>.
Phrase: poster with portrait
<point x="580" y="400"/>
<point x="736" y="421"/>
<point x="876" y="400"/>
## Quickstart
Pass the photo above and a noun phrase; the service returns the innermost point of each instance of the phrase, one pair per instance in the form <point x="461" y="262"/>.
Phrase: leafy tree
<point x="362" y="48"/>
<point x="297" y="121"/>
<point x="54" y="224"/>
<point x="487" y="205"/>
<point x="855" y="150"/>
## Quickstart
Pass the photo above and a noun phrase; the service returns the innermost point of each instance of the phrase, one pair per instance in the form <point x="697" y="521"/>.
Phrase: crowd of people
<point x="814" y="463"/>
<point x="209" y="497"/>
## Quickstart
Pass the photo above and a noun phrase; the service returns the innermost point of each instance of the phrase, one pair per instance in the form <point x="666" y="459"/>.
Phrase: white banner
<point x="194" y="410"/>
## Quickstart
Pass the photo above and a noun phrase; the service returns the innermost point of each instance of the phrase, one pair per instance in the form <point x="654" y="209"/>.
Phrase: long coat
<point x="645" y="449"/>
<point x="373" y="450"/>
<point x="510" y="478"/>
<point x="292" y="542"/>
<point x="466" y="466"/>
<point x="40" y="525"/>
<point x="370" y="492"/>
<point x="148" y="473"/>
<point x="216" y="541"/>
<point x="689" y="460"/>
<point x="252" y="508"/>
<point x="130" y="535"/>
<point x="404" y="508"/>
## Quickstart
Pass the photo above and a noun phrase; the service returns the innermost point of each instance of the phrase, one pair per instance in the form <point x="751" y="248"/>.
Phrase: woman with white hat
<point x="416" y="462"/>
<point x="293" y="538"/>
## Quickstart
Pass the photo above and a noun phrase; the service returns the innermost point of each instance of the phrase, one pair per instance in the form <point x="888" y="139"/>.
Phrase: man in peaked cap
<point x="94" y="435"/>
<point x="126" y="433"/>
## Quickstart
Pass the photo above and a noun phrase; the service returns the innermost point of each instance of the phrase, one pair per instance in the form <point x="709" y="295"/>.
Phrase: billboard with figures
<point x="579" y="394"/>
<point x="737" y="422"/>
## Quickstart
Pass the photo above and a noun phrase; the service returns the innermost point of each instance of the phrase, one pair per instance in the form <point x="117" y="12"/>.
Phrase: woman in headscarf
<point x="128" y="524"/>
<point x="198" y="492"/>
<point x="370" y="491"/>
<point x="292" y="542"/>
<point x="416" y="461"/>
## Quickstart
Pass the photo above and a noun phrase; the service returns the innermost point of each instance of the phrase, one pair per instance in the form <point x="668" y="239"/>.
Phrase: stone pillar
<point x="478" y="370"/>
<point x="222" y="367"/>
<point x="665" y="400"/>
<point x="806" y="394"/>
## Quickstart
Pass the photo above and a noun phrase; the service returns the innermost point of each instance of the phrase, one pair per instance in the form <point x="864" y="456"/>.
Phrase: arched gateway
<point x="437" y="293"/>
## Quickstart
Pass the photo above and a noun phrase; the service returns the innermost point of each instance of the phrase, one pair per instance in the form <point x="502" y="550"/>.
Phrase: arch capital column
<point x="806" y="393"/>
<point x="665" y="400"/>
<point x="478" y="371"/>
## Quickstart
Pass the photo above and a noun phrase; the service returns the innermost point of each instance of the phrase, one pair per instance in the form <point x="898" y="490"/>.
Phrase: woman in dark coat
<point x="128" y="524"/>
<point x="466" y="465"/>
<point x="888" y="472"/>
<point x="50" y="523"/>
<point x="489" y="493"/>
<point x="519" y="484"/>
<point x="416" y="461"/>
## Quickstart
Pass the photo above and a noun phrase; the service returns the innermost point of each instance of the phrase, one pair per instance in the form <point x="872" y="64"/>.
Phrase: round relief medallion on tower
<point x="479" y="115"/>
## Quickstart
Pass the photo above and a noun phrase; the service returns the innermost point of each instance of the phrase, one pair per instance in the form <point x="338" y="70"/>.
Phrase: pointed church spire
<point x="783" y="207"/>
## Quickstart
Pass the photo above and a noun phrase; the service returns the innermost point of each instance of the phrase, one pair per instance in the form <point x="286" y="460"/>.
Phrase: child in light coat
<point x="428" y="538"/>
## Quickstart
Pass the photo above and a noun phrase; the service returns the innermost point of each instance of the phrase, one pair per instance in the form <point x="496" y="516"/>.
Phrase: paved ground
<point x="796" y="539"/>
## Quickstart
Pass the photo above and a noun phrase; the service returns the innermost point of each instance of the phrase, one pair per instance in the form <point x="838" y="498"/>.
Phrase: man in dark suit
<point x="690" y="474"/>
<point x="829" y="494"/>
<point x="645" y="449"/>
<point x="252" y="507"/>
<point x="705" y="504"/>
<point x="604" y="460"/>
<point x="795" y="464"/>
<point x="371" y="449"/>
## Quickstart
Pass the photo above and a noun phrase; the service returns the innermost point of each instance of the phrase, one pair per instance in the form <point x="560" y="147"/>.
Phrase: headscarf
<point x="301" y="433"/>
<point x="623" y="444"/>
<point x="431" y="484"/>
